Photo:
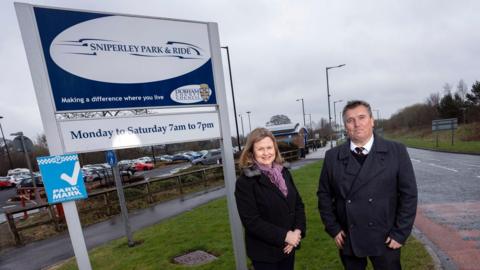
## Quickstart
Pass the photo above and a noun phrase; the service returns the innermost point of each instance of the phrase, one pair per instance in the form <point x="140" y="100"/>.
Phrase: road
<point x="449" y="205"/>
<point x="446" y="177"/>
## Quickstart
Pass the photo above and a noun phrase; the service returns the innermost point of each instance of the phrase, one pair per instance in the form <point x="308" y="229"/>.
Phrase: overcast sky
<point x="396" y="52"/>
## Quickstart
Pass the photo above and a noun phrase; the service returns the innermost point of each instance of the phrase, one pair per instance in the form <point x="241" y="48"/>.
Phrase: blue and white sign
<point x="111" y="158"/>
<point x="62" y="177"/>
<point x="101" y="61"/>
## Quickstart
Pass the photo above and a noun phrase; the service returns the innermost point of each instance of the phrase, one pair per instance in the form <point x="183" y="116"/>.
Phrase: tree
<point x="473" y="103"/>
<point x="433" y="100"/>
<point x="417" y="115"/>
<point x="449" y="107"/>
<point x="41" y="141"/>
<point x="474" y="97"/>
<point x="278" y="119"/>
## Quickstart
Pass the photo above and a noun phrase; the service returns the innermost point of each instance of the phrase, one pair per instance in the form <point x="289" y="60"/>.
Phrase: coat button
<point x="370" y="200"/>
<point x="349" y="201"/>
<point x="370" y="224"/>
<point x="352" y="225"/>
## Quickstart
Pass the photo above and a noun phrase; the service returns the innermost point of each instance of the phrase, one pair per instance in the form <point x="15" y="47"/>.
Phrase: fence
<point x="102" y="204"/>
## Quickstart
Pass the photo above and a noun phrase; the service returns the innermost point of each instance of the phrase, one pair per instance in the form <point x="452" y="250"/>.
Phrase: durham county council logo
<point x="191" y="93"/>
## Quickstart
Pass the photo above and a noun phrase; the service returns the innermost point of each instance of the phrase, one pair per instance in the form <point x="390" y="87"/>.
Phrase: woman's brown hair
<point x="258" y="134"/>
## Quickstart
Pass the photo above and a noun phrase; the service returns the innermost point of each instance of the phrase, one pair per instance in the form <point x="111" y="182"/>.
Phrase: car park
<point x="212" y="157"/>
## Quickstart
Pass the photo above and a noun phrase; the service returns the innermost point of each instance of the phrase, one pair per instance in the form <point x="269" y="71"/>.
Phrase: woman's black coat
<point x="267" y="215"/>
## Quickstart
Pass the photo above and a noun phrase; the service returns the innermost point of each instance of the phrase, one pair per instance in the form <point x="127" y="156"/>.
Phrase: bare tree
<point x="462" y="89"/>
<point x="433" y="100"/>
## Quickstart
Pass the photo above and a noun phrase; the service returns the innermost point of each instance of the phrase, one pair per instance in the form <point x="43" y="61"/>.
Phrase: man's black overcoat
<point x="369" y="202"/>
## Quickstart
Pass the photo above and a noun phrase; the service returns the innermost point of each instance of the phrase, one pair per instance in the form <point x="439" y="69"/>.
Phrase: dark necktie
<point x="359" y="151"/>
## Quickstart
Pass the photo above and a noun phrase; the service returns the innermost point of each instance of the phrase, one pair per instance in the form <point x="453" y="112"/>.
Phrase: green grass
<point x="465" y="139"/>
<point x="207" y="228"/>
<point x="471" y="147"/>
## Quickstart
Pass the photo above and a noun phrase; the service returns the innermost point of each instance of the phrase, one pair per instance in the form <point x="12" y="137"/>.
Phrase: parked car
<point x="27" y="182"/>
<point x="92" y="174"/>
<point x="146" y="159"/>
<point x="17" y="178"/>
<point x="212" y="157"/>
<point x="193" y="154"/>
<point x="181" y="157"/>
<point x="17" y="171"/>
<point x="165" y="158"/>
<point x="16" y="175"/>
<point x="140" y="165"/>
<point x="5" y="182"/>
<point x="125" y="167"/>
<point x="125" y="161"/>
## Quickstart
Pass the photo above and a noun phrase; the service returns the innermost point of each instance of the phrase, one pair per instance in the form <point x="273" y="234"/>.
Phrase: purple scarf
<point x="274" y="173"/>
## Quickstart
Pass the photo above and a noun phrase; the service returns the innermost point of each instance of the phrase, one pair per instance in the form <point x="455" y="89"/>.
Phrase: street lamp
<point x="328" y="97"/>
<point x="249" y="124"/>
<point x="378" y="113"/>
<point x="6" y="146"/>
<point x="233" y="96"/>
<point x="25" y="150"/>
<point x="241" y="121"/>
<point x="311" y="127"/>
<point x="335" y="112"/>
<point x="303" y="111"/>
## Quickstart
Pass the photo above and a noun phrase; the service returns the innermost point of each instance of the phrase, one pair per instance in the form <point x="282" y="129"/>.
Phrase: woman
<point x="269" y="204"/>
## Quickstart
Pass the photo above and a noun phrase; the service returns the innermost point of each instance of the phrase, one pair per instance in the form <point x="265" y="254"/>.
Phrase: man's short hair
<point x="355" y="103"/>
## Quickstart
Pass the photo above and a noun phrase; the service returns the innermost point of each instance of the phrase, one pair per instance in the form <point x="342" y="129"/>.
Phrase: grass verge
<point x="466" y="139"/>
<point x="207" y="228"/>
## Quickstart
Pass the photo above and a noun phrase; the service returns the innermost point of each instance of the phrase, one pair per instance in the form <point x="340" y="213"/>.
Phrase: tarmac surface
<point x="448" y="215"/>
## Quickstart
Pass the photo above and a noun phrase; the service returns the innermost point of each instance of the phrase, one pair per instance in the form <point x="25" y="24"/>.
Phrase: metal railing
<point x="150" y="191"/>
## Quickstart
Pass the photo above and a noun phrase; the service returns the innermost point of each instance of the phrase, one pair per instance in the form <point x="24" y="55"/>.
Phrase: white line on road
<point x="8" y="206"/>
<point x="478" y="176"/>
<point x="416" y="160"/>
<point x="442" y="167"/>
<point x="472" y="165"/>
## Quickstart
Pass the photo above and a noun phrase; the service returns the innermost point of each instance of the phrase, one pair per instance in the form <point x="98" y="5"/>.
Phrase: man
<point x="367" y="194"/>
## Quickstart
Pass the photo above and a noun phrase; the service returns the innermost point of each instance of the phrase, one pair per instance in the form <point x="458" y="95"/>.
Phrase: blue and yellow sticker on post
<point x="62" y="178"/>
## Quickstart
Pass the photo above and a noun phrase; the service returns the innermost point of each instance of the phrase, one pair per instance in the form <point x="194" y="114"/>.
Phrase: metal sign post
<point x="444" y="124"/>
<point x="26" y="20"/>
<point x="112" y="160"/>
<point x="236" y="228"/>
<point x="25" y="145"/>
